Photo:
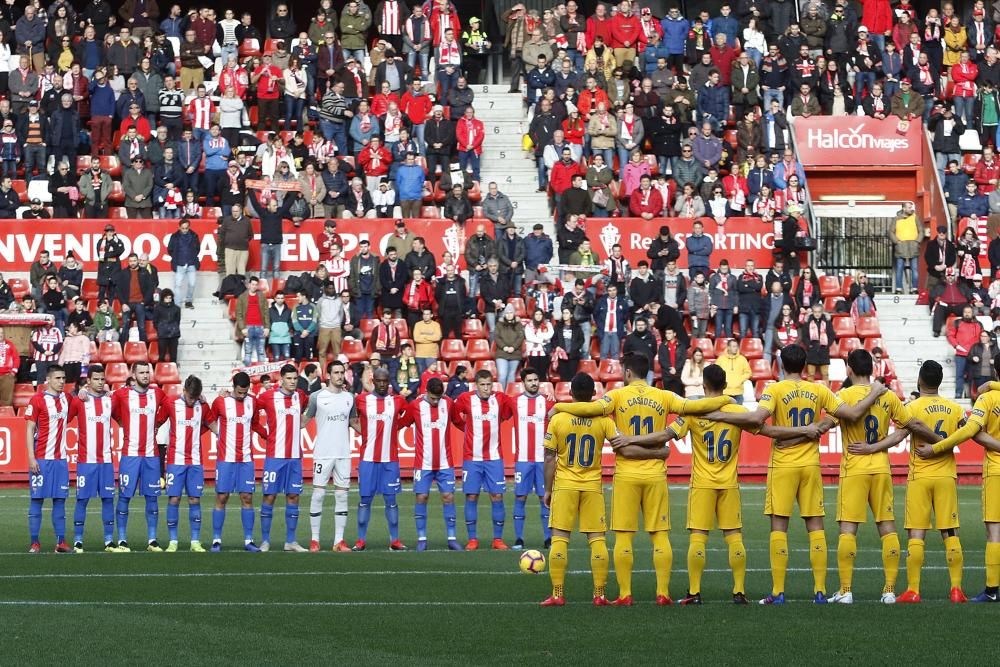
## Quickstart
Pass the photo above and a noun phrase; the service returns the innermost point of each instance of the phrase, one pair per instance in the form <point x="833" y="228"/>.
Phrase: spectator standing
<point x="46" y="344"/>
<point x="10" y="361"/>
<point x="906" y="236"/>
<point x="963" y="334"/>
<point x="363" y="280"/>
<point x="939" y="255"/>
<point x="304" y="327"/>
<point x="393" y="277"/>
<point x="252" y="321"/>
<point x="452" y="301"/>
<point x="611" y="315"/>
<point x="134" y="290"/>
<point x="184" y="247"/>
<point x="699" y="247"/>
<point x="979" y="362"/>
<point x="280" y="338"/>
<point x="509" y="337"/>
<point x="235" y="234"/>
<point x="330" y="313"/>
<point x="817" y="336"/>
<point x="167" y="322"/>
<point x="749" y="286"/>
<point x="737" y="370"/>
<point x="427" y="339"/>
<point x="725" y="299"/>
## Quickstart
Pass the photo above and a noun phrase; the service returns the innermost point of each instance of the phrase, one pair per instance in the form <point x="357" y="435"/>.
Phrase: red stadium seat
<point x="116" y="373"/>
<point x="720" y="346"/>
<point x="867" y="327"/>
<point x="110" y="352"/>
<point x="848" y="345"/>
<point x="151" y="334"/>
<point x="752" y="348"/>
<point x="760" y="386"/>
<point x="366" y="326"/>
<point x="705" y="345"/>
<point x="135" y="351"/>
<point x="473" y="328"/>
<point x="617" y="384"/>
<point x="761" y="369"/>
<point x="453" y="349"/>
<point x="485" y="365"/>
<point x="7" y="411"/>
<point x="588" y="366"/>
<point x="89" y="289"/>
<point x="514" y="389"/>
<point x="480" y="348"/>
<point x="166" y="373"/>
<point x="154" y="352"/>
<point x="402" y="328"/>
<point x="609" y="370"/>
<point x="19" y="287"/>
<point x="547" y="389"/>
<point x="173" y="389"/>
<point x="112" y="165"/>
<point x="22" y="394"/>
<point x="563" y="393"/>
<point x="830" y="306"/>
<point x="430" y="212"/>
<point x="843" y="327"/>
<point x="519" y="308"/>
<point x="897" y="388"/>
<point x="21" y="188"/>
<point x="353" y="349"/>
<point x="845" y="286"/>
<point x="232" y="310"/>
<point x="829" y="286"/>
<point x="875" y="341"/>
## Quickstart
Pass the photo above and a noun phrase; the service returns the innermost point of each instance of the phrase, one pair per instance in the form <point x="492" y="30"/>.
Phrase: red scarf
<point x="386" y="337"/>
<point x="817" y="332"/>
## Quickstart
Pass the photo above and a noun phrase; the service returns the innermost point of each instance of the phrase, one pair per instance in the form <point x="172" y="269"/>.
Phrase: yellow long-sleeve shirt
<point x="737" y="372"/>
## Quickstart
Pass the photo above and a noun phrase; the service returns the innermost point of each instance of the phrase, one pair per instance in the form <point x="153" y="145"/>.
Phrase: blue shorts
<point x="375" y="478"/>
<point x="139" y="474"/>
<point x="479" y="475"/>
<point x="234" y="477"/>
<point x="528" y="476"/>
<point x="52" y="480"/>
<point x="282" y="476"/>
<point x="95" y="480"/>
<point x="182" y="480"/>
<point x="423" y="479"/>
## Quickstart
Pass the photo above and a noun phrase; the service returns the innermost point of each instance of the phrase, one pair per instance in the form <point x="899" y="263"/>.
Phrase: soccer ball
<point x="532" y="562"/>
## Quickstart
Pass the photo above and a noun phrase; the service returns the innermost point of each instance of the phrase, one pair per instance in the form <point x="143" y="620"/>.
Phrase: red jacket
<point x="574" y="131"/>
<point x="627" y="29"/>
<point x="877" y="16"/>
<point x="416" y="107"/>
<point x="561" y="176"/>
<point x="141" y="127"/>
<point x="986" y="173"/>
<point x="598" y="27"/>
<point x="418" y="297"/>
<point x="375" y="163"/>
<point x="588" y="101"/>
<point x="469" y="135"/>
<point x="653" y="204"/>
<point x="9" y="359"/>
<point x="963" y="335"/>
<point x="723" y="59"/>
<point x="380" y="103"/>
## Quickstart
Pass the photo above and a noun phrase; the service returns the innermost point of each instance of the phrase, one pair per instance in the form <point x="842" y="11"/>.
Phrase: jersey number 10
<point x="585" y="455"/>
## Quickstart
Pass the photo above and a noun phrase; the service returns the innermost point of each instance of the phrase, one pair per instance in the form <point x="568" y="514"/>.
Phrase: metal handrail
<point x="937" y="180"/>
<point x="810" y="214"/>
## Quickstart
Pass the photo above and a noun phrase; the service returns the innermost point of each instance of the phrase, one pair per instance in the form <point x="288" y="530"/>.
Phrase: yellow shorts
<point x="628" y="497"/>
<point x="570" y="504"/>
<point x="859" y="492"/>
<point x="991" y="499"/>
<point x="785" y="486"/>
<point x="933" y="494"/>
<point x="705" y="506"/>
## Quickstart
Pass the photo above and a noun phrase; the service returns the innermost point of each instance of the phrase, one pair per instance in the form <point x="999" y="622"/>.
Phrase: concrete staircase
<point x="503" y="159"/>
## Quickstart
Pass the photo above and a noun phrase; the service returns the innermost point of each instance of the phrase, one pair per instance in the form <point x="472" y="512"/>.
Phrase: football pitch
<point x="448" y="608"/>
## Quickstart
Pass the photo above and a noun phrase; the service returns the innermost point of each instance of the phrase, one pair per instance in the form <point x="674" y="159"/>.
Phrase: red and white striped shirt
<point x="49" y="413"/>
<point x="200" y="111"/>
<point x="381" y="418"/>
<point x="532" y="412"/>
<point x="431" y="443"/>
<point x="93" y="423"/>
<point x="237" y="420"/>
<point x="136" y="413"/>
<point x="450" y="54"/>
<point x="480" y="420"/>
<point x="283" y="415"/>
<point x="186" y="425"/>
<point x="339" y="270"/>
<point x="390" y="18"/>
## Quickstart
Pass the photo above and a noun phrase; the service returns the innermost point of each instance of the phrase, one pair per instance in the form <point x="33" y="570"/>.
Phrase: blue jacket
<point x="539" y="80"/>
<point x="781" y="178"/>
<point x="969" y="205"/>
<point x="758" y="178"/>
<point x="358" y="135"/>
<point x="954" y="185"/>
<point x="713" y="101"/>
<point x="727" y="25"/>
<point x="537" y="250"/>
<point x="216" y="158"/>
<point x="186" y="148"/>
<point x="675" y="33"/>
<point x="183" y="249"/>
<point x="651" y="54"/>
<point x="699" y="249"/>
<point x="102" y="100"/>
<point x="601" y="313"/>
<point x="410" y="182"/>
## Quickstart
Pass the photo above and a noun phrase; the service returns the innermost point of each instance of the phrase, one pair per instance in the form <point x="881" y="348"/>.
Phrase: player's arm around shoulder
<point x="599" y="408"/>
<point x="834" y="405"/>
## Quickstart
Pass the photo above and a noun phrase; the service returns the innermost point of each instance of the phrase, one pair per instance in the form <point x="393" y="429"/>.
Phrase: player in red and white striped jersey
<point x="135" y="409"/>
<point x="282" y="408"/>
<point x="380" y="416"/>
<point x="529" y="453"/>
<point x="187" y="417"/>
<point x="478" y="414"/>
<point x="433" y="460"/>
<point x="236" y="416"/>
<point x="95" y="468"/>
<point x="45" y="420"/>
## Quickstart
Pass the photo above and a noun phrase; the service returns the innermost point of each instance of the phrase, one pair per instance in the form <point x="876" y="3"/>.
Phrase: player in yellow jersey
<point x="930" y="482"/>
<point x="866" y="478"/>
<point x="983" y="427"/>
<point x="573" y="490"/>
<point x="793" y="473"/>
<point x="714" y="493"/>
<point x="638" y="409"/>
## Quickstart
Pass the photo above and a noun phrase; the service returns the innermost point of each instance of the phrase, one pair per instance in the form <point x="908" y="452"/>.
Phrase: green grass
<point x="448" y="608"/>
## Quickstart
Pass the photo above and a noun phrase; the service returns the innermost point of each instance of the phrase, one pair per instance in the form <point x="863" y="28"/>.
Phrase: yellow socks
<point x="663" y="561"/>
<point x="558" y="562"/>
<point x="623" y="563"/>
<point x="738" y="561"/>
<point x="914" y="562"/>
<point x="992" y="564"/>
<point x="953" y="554"/>
<point x="696" y="561"/>
<point x="599" y="564"/>
<point x="847" y="550"/>
<point x="779" y="561"/>
<point x="890" y="561"/>
<point x="817" y="558"/>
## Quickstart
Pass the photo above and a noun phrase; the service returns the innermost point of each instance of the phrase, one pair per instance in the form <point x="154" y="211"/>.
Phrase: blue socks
<point x="450" y="519"/>
<point x="194" y="516"/>
<point x="173" y="518"/>
<point x="291" y="522"/>
<point x="108" y="519"/>
<point x="545" y="520"/>
<point x="420" y="515"/>
<point x="59" y="519"/>
<point x="152" y="517"/>
<point x="392" y="516"/>
<point x="35" y="519"/>
<point x="519" y="512"/>
<point x="79" y="518"/>
<point x="498" y="517"/>
<point x="364" y="516"/>
<point x="471" y="516"/>
<point x="122" y="512"/>
<point x="218" y="521"/>
<point x="266" y="514"/>
<point x="247" y="515"/>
